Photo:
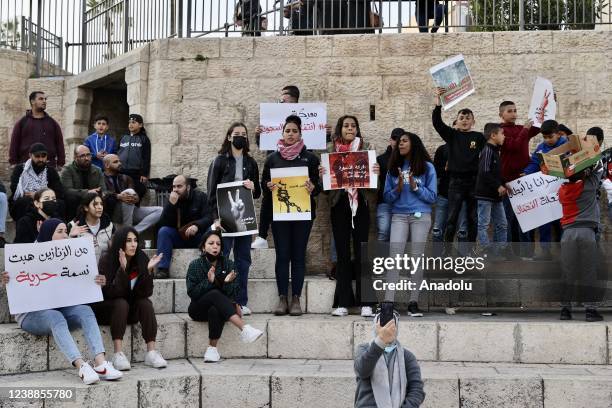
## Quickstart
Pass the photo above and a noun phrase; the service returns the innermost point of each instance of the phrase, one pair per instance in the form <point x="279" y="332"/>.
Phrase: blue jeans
<point x="59" y="322"/>
<point x="290" y="241"/>
<point x="3" y="212"/>
<point x="492" y="211"/>
<point x="242" y="260"/>
<point x="383" y="221"/>
<point x="168" y="238"/>
<point x="333" y="255"/>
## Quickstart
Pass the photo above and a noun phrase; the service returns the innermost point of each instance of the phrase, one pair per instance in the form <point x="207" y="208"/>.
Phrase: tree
<point x="10" y="35"/>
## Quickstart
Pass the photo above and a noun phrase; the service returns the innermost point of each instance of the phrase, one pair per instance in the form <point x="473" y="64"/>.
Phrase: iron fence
<point x="79" y="34"/>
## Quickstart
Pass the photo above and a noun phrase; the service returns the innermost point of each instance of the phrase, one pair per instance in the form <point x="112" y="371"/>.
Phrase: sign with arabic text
<point x="272" y="118"/>
<point x="454" y="76"/>
<point x="48" y="275"/>
<point x="349" y="170"/>
<point x="535" y="199"/>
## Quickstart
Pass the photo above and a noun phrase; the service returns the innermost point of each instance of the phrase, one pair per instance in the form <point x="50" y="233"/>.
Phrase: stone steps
<point x="305" y="383"/>
<point x="508" y="338"/>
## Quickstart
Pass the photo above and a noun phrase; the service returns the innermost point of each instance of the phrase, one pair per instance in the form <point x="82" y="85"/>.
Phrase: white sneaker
<point x="366" y="311"/>
<point x="211" y="355"/>
<point x="120" y="362"/>
<point x="259" y="243"/>
<point x="341" y="311"/>
<point x="246" y="311"/>
<point x="87" y="374"/>
<point x="154" y="359"/>
<point x="106" y="371"/>
<point x="249" y="334"/>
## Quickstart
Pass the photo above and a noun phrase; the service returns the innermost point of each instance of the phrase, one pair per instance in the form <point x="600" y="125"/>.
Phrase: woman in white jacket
<point x="92" y="222"/>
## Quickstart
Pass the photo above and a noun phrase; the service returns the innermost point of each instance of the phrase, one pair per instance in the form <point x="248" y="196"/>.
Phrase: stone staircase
<point x="509" y="360"/>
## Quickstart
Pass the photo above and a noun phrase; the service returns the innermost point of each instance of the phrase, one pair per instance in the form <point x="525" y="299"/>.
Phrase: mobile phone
<point x="386" y="313"/>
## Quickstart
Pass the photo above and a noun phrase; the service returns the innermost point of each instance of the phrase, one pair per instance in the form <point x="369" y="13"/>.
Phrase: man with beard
<point x="121" y="202"/>
<point x="80" y="178"/>
<point x="31" y="176"/>
<point x="37" y="126"/>
<point x="184" y="220"/>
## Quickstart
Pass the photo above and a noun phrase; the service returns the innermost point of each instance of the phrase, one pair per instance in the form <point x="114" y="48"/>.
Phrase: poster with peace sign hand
<point x="236" y="209"/>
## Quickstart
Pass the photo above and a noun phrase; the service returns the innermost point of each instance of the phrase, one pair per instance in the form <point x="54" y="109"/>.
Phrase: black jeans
<point x="213" y="307"/>
<point x="290" y="242"/>
<point x="461" y="190"/>
<point x="347" y="269"/>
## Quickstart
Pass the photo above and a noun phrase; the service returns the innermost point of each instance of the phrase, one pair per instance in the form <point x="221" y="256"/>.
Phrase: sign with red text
<point x="349" y="170"/>
<point x="535" y="199"/>
<point x="543" y="105"/>
<point x="454" y="76"/>
<point x="48" y="275"/>
<point x="272" y="118"/>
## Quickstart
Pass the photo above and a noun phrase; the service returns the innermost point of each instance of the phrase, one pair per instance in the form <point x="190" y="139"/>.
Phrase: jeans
<point x="492" y="211"/>
<point x="59" y="322"/>
<point x="423" y="19"/>
<point x="3" y="212"/>
<point x="142" y="218"/>
<point x="408" y="228"/>
<point x="460" y="193"/>
<point x="439" y="226"/>
<point x="290" y="241"/>
<point x="169" y="238"/>
<point x="333" y="255"/>
<point x="383" y="221"/>
<point x="242" y="260"/>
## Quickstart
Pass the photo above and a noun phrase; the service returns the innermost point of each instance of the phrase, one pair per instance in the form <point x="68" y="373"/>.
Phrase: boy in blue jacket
<point x="551" y="134"/>
<point x="100" y="143"/>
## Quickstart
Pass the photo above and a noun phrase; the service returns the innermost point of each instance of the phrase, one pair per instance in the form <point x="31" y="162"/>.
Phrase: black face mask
<point x="211" y="258"/>
<point x="50" y="208"/>
<point x="239" y="142"/>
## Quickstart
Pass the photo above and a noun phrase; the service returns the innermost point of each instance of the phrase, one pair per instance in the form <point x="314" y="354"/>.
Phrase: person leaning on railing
<point x="247" y="14"/>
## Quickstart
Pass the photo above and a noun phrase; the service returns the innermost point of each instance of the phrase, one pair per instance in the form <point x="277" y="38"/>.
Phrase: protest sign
<point x="290" y="199"/>
<point x="236" y="209"/>
<point x="535" y="200"/>
<point x="52" y="274"/>
<point x="349" y="170"/>
<point x="543" y="105"/>
<point x="453" y="75"/>
<point x="272" y="118"/>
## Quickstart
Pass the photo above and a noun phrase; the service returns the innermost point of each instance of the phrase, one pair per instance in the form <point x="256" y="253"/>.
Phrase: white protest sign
<point x="543" y="105"/>
<point x="454" y="76"/>
<point x="272" y="118"/>
<point x="48" y="275"/>
<point x="535" y="200"/>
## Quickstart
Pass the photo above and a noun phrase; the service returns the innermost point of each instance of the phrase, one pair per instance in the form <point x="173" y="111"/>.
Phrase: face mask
<point x="239" y="142"/>
<point x="389" y="349"/>
<point x="211" y="258"/>
<point x="49" y="207"/>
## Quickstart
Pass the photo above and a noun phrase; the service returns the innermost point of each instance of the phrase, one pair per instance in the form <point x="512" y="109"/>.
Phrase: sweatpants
<point x="120" y="312"/>
<point x="579" y="263"/>
<point x="213" y="307"/>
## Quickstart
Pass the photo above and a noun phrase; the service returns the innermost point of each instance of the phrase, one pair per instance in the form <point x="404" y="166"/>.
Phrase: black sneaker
<point x="162" y="273"/>
<point x="593" y="316"/>
<point x="2" y="242"/>
<point x="413" y="310"/>
<point x="565" y="314"/>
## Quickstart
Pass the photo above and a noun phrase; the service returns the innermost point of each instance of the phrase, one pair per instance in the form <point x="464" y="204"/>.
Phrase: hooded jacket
<point x="29" y="130"/>
<point x="135" y="153"/>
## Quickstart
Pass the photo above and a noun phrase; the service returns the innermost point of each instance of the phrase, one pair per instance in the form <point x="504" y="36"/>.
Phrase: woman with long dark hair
<point x="235" y="164"/>
<point x="213" y="286"/>
<point x="350" y="219"/>
<point x="129" y="277"/>
<point x="411" y="190"/>
<point x="291" y="237"/>
<point x="91" y="222"/>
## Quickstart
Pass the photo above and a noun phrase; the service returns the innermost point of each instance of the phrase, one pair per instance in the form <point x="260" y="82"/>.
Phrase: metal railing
<point x="79" y="34"/>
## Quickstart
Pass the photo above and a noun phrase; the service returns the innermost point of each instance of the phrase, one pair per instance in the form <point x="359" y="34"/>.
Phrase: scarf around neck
<point x="389" y="379"/>
<point x="290" y="152"/>
<point x="353" y="193"/>
<point x="29" y="181"/>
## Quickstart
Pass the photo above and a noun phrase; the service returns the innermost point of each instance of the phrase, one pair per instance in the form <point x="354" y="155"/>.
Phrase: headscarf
<point x="47" y="229"/>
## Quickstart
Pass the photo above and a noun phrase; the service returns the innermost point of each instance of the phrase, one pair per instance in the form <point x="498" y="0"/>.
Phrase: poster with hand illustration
<point x="349" y="170"/>
<point x="290" y="198"/>
<point x="236" y="209"/>
<point x="543" y="104"/>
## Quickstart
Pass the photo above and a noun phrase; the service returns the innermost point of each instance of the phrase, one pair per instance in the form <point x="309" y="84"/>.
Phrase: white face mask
<point x="389" y="349"/>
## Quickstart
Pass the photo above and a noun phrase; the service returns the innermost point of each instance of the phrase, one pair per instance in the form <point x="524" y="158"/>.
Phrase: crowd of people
<point x="98" y="195"/>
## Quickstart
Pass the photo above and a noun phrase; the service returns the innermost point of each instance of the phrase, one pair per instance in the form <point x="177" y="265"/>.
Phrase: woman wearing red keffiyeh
<point x="291" y="237"/>
<point x="350" y="218"/>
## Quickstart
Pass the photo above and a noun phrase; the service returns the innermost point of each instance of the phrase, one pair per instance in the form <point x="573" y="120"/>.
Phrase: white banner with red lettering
<point x="272" y="118"/>
<point x="48" y="275"/>
<point x="535" y="200"/>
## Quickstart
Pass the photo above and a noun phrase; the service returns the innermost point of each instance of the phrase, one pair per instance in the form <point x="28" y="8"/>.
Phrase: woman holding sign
<point x="411" y="190"/>
<point x="235" y="164"/>
<point x="58" y="322"/>
<point x="129" y="276"/>
<point x="350" y="218"/>
<point x="291" y="237"/>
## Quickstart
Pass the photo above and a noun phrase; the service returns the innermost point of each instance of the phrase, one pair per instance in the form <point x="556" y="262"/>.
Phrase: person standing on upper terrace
<point x="37" y="127"/>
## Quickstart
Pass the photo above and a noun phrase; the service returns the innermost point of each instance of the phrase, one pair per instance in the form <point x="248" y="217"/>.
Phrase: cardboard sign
<point x="349" y="170"/>
<point x="236" y="209"/>
<point x="454" y="76"/>
<point x="535" y="200"/>
<point x="272" y="118"/>
<point x="53" y="274"/>
<point x="543" y="105"/>
<point x="579" y="153"/>
<point x="290" y="199"/>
